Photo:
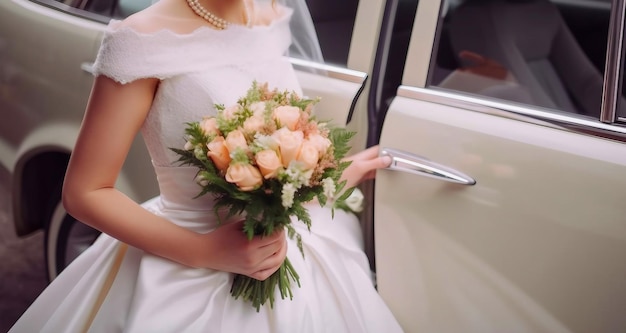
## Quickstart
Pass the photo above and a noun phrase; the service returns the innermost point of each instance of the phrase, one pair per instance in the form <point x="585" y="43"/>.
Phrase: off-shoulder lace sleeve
<point x="126" y="55"/>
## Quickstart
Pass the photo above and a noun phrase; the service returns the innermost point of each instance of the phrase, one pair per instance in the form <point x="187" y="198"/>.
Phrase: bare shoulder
<point x="170" y="15"/>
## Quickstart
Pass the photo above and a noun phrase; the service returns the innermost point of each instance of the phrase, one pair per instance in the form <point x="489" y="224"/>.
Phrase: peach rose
<point x="287" y="116"/>
<point x="218" y="153"/>
<point x="253" y="124"/>
<point x="308" y="155"/>
<point x="229" y="112"/>
<point x="289" y="143"/>
<point x="209" y="126"/>
<point x="266" y="141"/>
<point x="311" y="127"/>
<point x="236" y="139"/>
<point x="269" y="163"/>
<point x="246" y="176"/>
<point x="321" y="143"/>
<point x="258" y="109"/>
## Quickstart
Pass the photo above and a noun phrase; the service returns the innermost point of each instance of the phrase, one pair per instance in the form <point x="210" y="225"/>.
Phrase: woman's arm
<point x="364" y="165"/>
<point x="114" y="115"/>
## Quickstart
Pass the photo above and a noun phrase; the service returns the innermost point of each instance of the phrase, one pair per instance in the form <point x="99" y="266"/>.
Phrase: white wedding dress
<point x="152" y="294"/>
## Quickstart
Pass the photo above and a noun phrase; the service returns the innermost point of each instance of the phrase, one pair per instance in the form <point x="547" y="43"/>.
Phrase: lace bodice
<point x="197" y="70"/>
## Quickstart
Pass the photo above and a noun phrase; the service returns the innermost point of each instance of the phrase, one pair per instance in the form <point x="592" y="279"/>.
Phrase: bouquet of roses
<point x="262" y="159"/>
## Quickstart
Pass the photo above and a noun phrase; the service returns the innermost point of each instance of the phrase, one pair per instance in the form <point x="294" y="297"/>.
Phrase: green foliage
<point x="302" y="103"/>
<point x="340" y="137"/>
<point x="254" y="94"/>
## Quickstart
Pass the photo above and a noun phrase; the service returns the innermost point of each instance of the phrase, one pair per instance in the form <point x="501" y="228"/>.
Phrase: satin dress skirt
<point x="113" y="287"/>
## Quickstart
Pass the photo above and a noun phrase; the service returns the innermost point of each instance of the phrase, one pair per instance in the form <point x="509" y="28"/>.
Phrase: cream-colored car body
<point x="538" y="244"/>
<point x="45" y="84"/>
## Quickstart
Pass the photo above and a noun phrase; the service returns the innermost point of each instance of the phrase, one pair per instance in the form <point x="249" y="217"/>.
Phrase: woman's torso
<point x="196" y="71"/>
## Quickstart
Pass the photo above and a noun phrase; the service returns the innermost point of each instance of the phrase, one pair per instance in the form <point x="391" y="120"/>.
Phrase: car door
<point x="347" y="33"/>
<point x="501" y="213"/>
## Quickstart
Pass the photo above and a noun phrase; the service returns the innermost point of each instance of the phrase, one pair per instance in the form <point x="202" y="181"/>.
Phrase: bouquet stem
<point x="259" y="292"/>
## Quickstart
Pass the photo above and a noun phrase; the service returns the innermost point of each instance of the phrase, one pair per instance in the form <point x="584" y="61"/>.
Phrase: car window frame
<point x="611" y="91"/>
<point x="77" y="12"/>
<point x="420" y="65"/>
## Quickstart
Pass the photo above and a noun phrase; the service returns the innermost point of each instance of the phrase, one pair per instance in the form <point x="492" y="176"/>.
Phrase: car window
<point x="403" y="18"/>
<point x="98" y="10"/>
<point x="334" y="21"/>
<point x="543" y="53"/>
<point x="100" y="7"/>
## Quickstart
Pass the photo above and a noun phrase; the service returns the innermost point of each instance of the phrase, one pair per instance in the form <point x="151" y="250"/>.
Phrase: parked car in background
<point x="45" y="51"/>
<point x="503" y="210"/>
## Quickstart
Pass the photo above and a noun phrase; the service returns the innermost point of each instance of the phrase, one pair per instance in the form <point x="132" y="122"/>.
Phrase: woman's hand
<point x="231" y="251"/>
<point x="364" y="165"/>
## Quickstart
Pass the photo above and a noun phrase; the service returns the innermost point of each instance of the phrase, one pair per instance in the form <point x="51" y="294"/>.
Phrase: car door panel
<point x="530" y="248"/>
<point x="336" y="87"/>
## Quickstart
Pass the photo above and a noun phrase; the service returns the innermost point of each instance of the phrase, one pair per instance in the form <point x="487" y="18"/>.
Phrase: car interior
<point x="334" y="21"/>
<point x="523" y="51"/>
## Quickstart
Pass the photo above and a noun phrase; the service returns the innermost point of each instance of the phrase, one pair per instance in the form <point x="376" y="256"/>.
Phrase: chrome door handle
<point x="407" y="162"/>
<point x="87" y="67"/>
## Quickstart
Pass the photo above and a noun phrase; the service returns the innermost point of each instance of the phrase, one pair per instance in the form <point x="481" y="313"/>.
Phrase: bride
<point x="166" y="265"/>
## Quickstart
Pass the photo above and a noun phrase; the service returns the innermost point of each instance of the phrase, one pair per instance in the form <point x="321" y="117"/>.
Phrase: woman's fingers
<point x="376" y="162"/>
<point x="265" y="254"/>
<point x="230" y="250"/>
<point x="266" y="246"/>
<point x="271" y="264"/>
<point x="364" y="166"/>
<point x="367" y="154"/>
<point x="368" y="160"/>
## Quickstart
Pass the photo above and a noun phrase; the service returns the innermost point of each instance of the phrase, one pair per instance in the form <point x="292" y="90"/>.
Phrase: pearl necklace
<point x="213" y="19"/>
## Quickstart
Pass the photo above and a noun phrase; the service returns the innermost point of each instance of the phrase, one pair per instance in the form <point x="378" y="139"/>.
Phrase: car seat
<point x="532" y="41"/>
